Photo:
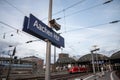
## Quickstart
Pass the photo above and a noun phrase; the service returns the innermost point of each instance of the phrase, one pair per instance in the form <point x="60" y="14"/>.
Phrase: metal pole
<point x="9" y="68"/>
<point x="54" y="58"/>
<point x="48" y="60"/>
<point x="93" y="65"/>
<point x="97" y="61"/>
<point x="50" y="12"/>
<point x="48" y="47"/>
<point x="96" y="58"/>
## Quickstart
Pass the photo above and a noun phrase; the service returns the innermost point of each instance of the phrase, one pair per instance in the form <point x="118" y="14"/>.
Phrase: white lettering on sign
<point x="56" y="37"/>
<point x="45" y="30"/>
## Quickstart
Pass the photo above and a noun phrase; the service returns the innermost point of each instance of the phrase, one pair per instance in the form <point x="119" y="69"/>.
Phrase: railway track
<point x="53" y="77"/>
<point x="67" y="76"/>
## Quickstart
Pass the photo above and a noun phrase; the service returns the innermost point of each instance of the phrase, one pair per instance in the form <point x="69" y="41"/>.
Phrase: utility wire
<point x="87" y="9"/>
<point x="14" y="7"/>
<point x="71" y="6"/>
<point x="81" y="11"/>
<point x="46" y="17"/>
<point x="77" y="29"/>
<point x="8" y="25"/>
<point x="4" y="34"/>
<point x="112" y="22"/>
<point x="64" y="22"/>
<point x="7" y="32"/>
<point x="71" y="47"/>
<point x="15" y="29"/>
<point x="63" y="9"/>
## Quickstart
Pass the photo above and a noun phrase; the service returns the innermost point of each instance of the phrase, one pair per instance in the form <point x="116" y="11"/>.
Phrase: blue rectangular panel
<point x="37" y="28"/>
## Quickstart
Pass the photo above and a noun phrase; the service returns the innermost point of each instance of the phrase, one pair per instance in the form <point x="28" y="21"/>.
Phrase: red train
<point x="76" y="69"/>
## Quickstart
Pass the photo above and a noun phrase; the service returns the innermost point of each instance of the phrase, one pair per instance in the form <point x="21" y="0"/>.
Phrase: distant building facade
<point x="63" y="55"/>
<point x="26" y="65"/>
<point x="38" y="62"/>
<point x="64" y="61"/>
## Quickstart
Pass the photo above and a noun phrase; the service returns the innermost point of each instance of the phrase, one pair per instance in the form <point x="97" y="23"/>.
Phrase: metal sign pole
<point x="54" y="58"/>
<point x="48" y="47"/>
<point x="48" y="60"/>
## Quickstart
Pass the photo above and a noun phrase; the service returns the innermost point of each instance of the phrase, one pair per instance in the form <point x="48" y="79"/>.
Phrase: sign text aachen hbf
<point x="37" y="28"/>
<point x="46" y="31"/>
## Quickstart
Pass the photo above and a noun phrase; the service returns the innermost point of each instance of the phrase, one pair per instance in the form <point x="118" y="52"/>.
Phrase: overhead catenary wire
<point x="67" y="8"/>
<point x="112" y="22"/>
<point x="14" y="7"/>
<point x="6" y="31"/>
<point x="71" y="47"/>
<point x="71" y="6"/>
<point x="71" y="14"/>
<point x="77" y="29"/>
<point x="63" y="9"/>
<point x="17" y="30"/>
<point x="75" y="4"/>
<point x="64" y="21"/>
<point x="8" y="25"/>
<point x="87" y="9"/>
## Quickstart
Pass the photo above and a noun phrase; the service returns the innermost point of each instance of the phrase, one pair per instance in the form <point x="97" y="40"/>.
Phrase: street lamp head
<point x="55" y="25"/>
<point x="108" y="1"/>
<point x="115" y="21"/>
<point x="10" y="46"/>
<point x="29" y="41"/>
<point x="32" y="41"/>
<point x="14" y="51"/>
<point x="58" y="18"/>
<point x="95" y="50"/>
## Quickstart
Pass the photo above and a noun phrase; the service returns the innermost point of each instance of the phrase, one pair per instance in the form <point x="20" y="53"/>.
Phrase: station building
<point x="100" y="60"/>
<point x="84" y="61"/>
<point x="64" y="61"/>
<point x="115" y="60"/>
<point x="38" y="62"/>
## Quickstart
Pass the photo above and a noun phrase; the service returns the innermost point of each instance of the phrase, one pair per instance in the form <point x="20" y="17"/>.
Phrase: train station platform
<point x="107" y="76"/>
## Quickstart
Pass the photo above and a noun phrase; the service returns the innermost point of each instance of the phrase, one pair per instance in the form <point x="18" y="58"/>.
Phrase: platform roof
<point x="88" y="57"/>
<point x="116" y="55"/>
<point x="66" y="60"/>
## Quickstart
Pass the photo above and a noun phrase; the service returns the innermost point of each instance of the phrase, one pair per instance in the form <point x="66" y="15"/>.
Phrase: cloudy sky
<point x="84" y="23"/>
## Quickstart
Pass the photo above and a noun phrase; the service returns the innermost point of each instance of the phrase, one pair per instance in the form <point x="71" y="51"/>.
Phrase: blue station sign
<point x="37" y="28"/>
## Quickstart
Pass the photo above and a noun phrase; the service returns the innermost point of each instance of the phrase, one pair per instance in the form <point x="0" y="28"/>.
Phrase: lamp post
<point x="93" y="65"/>
<point x="93" y="62"/>
<point x="96" y="56"/>
<point x="10" y="62"/>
